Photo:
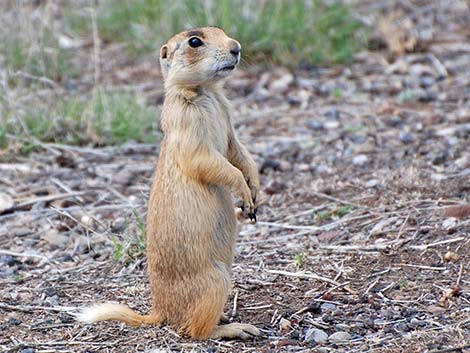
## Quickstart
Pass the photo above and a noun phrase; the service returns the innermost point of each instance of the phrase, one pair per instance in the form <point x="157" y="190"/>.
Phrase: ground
<point x="363" y="232"/>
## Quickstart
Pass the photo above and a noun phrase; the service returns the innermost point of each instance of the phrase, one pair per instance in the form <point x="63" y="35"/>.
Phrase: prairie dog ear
<point x="164" y="63"/>
<point x="164" y="52"/>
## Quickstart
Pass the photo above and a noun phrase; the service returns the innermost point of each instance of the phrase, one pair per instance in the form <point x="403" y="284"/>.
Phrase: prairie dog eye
<point x="195" y="42"/>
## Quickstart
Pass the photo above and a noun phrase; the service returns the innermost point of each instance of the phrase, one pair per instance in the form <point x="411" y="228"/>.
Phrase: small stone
<point x="439" y="159"/>
<point x="333" y="114"/>
<point x="285" y="325"/>
<point x="211" y="349"/>
<point x="331" y="125"/>
<point x="339" y="337"/>
<point x="282" y="84"/>
<point x="434" y="309"/>
<point x="316" y="335"/>
<point x="28" y="350"/>
<point x="314" y="308"/>
<point x="360" y="159"/>
<point x="449" y="223"/>
<point x="270" y="164"/>
<point x="342" y="327"/>
<point x="451" y="256"/>
<point x="438" y="177"/>
<point x="315" y="125"/>
<point x="14" y="321"/>
<point x="303" y="167"/>
<point x="414" y="323"/>
<point x="6" y="202"/>
<point x="124" y="177"/>
<point x="86" y="220"/>
<point x="427" y="81"/>
<point x="55" y="239"/>
<point x="372" y="183"/>
<point x="406" y="137"/>
<point x="328" y="306"/>
<point x="285" y="166"/>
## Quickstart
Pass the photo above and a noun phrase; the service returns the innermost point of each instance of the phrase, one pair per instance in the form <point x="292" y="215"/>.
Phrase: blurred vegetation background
<point x="56" y="57"/>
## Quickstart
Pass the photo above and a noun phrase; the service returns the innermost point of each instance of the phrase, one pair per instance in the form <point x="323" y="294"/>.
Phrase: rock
<point x="124" y="177"/>
<point x="315" y="125"/>
<point x="427" y="81"/>
<point x="285" y="166"/>
<point x="55" y="239"/>
<point x="333" y="114"/>
<point x="270" y="164"/>
<point x="451" y="257"/>
<point x="331" y="125"/>
<point x="360" y="159"/>
<point x="418" y="70"/>
<point x="372" y="183"/>
<point x="28" y="350"/>
<point x="434" y="309"/>
<point x="342" y="327"/>
<point x="285" y="325"/>
<point x="316" y="335"/>
<point x="328" y="306"/>
<point x="6" y="202"/>
<point x="303" y="167"/>
<point x="314" y="308"/>
<point x="381" y="226"/>
<point x="449" y="223"/>
<point x="406" y="137"/>
<point x="282" y="84"/>
<point x="438" y="177"/>
<point x="339" y="337"/>
<point x="275" y="187"/>
<point x="14" y="321"/>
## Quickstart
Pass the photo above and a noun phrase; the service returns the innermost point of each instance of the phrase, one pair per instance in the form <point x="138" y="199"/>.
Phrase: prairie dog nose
<point x="235" y="48"/>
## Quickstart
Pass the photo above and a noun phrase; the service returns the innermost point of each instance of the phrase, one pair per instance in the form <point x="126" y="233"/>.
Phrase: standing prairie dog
<point x="191" y="224"/>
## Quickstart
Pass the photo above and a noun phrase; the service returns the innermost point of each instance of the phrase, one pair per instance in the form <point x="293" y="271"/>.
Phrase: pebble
<point x="360" y="159"/>
<point x="270" y="164"/>
<point x="333" y="114"/>
<point x="342" y="327"/>
<point x="427" y="81"/>
<point x="55" y="239"/>
<point x="331" y="125"/>
<point x="340" y="336"/>
<point x="282" y="84"/>
<point x="434" y="309"/>
<point x="285" y="325"/>
<point x="28" y="350"/>
<point x="303" y="167"/>
<point x="285" y="166"/>
<point x="372" y="183"/>
<point x="406" y="137"/>
<point x="315" y="125"/>
<point x="316" y="335"/>
<point x="449" y="223"/>
<point x="6" y="202"/>
<point x="328" y="306"/>
<point x="14" y="321"/>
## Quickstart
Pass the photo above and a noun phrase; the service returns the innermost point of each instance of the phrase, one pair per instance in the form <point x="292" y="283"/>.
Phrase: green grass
<point x="105" y="118"/>
<point x="35" y="52"/>
<point x="131" y="244"/>
<point x="285" y="32"/>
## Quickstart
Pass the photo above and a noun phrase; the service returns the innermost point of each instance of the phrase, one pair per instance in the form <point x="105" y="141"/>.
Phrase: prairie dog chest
<point x="216" y="118"/>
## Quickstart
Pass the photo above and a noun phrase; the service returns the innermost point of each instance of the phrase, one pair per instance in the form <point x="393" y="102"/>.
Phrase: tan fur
<point x="191" y="225"/>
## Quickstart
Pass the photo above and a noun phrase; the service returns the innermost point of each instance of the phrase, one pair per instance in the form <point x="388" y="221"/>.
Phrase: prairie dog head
<point x="199" y="56"/>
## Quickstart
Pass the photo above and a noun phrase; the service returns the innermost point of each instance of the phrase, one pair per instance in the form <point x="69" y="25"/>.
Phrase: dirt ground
<point x="363" y="236"/>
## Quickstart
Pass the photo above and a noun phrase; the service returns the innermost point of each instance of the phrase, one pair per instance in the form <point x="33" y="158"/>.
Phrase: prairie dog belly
<point x="194" y="224"/>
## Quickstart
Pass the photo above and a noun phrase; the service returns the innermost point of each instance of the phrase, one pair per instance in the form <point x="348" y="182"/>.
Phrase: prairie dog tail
<point x="109" y="311"/>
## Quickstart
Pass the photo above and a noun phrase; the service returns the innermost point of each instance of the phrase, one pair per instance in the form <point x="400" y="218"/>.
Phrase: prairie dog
<point x="191" y="224"/>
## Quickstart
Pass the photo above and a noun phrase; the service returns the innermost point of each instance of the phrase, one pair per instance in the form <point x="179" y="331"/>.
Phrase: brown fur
<point x="191" y="225"/>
